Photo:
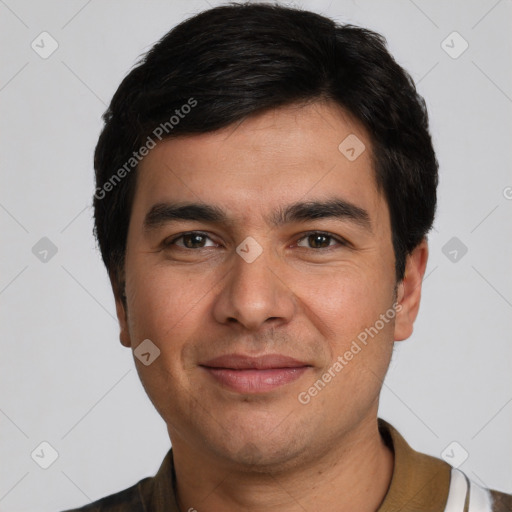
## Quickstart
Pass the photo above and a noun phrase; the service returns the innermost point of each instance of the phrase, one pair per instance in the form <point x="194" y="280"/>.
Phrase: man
<point x="265" y="184"/>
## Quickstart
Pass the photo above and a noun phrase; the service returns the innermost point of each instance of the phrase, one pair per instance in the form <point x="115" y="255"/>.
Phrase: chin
<point x="260" y="451"/>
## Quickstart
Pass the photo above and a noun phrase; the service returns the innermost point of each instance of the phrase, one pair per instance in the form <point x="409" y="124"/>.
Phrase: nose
<point x="255" y="294"/>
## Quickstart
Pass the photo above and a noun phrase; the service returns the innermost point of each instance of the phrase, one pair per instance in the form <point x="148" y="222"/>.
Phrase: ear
<point x="118" y="287"/>
<point x="409" y="291"/>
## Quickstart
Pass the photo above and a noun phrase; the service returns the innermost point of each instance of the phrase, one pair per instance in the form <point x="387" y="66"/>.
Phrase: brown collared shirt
<point x="420" y="483"/>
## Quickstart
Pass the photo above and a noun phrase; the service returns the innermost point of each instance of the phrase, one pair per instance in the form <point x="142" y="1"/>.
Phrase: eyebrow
<point x="162" y="213"/>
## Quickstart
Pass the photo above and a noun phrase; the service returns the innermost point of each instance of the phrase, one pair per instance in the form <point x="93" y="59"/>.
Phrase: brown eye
<point x="193" y="240"/>
<point x="318" y="240"/>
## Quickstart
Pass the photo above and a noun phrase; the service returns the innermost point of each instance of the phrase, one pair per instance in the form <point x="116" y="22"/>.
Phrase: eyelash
<point x="338" y="239"/>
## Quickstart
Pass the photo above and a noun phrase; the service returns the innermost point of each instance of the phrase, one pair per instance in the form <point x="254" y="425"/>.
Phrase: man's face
<point x="304" y="284"/>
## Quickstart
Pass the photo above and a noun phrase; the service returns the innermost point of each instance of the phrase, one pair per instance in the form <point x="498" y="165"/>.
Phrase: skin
<point x="302" y="298"/>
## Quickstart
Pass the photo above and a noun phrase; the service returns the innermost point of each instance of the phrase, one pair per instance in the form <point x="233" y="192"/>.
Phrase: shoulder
<point x="466" y="494"/>
<point x="423" y="482"/>
<point x="501" y="502"/>
<point x="156" y="493"/>
<point x="130" y="499"/>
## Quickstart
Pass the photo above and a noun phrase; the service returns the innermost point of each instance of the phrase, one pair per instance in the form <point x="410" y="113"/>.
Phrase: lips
<point x="247" y="374"/>
<point x="242" y="362"/>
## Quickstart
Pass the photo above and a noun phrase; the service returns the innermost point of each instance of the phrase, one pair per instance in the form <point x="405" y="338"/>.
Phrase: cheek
<point x="345" y="299"/>
<point x="163" y="307"/>
<point x="348" y="306"/>
<point x="163" y="302"/>
<point x="171" y="308"/>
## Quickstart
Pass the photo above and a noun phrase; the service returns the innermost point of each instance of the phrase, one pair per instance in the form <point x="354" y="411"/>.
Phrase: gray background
<point x="65" y="378"/>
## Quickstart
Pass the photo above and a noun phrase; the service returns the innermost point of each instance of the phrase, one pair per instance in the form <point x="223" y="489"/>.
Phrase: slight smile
<point x="247" y="374"/>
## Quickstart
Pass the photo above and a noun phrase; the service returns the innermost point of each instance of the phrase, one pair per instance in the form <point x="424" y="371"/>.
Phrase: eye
<point x="320" y="240"/>
<point x="191" y="240"/>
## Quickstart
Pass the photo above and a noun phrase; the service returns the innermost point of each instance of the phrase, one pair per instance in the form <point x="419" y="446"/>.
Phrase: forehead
<point x="289" y="154"/>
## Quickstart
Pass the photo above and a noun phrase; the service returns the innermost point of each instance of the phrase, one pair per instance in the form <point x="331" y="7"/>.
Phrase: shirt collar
<point x="419" y="481"/>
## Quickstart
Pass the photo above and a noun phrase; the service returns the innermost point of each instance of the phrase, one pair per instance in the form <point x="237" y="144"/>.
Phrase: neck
<point x="353" y="474"/>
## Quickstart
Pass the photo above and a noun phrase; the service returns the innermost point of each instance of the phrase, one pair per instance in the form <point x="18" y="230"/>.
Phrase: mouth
<point x="246" y="374"/>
